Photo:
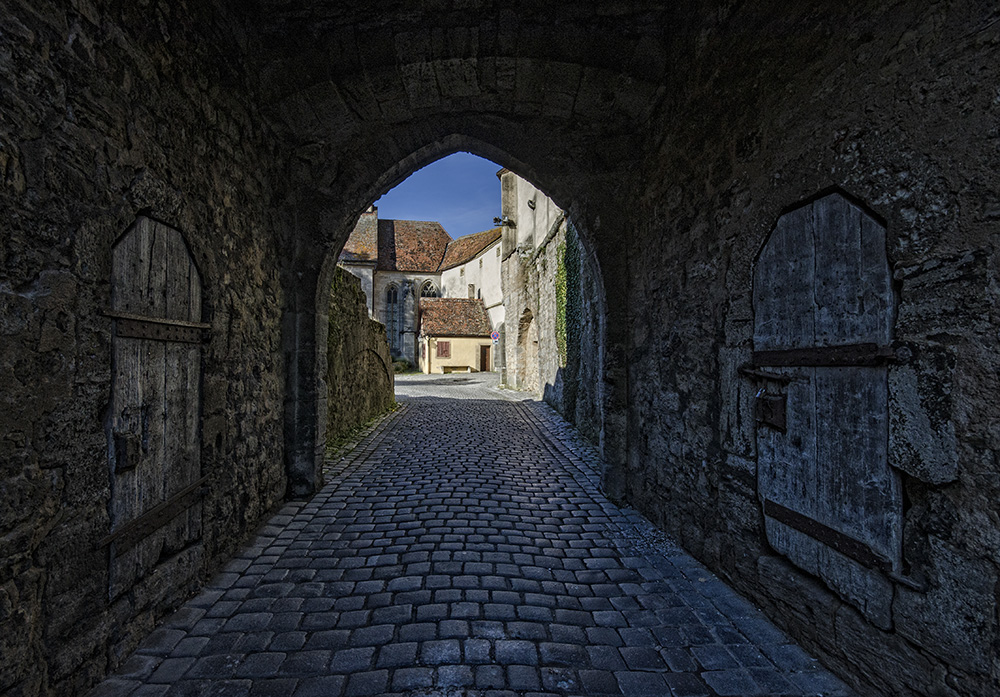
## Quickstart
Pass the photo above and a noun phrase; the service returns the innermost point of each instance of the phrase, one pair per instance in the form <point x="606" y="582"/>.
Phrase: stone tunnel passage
<point x="464" y="547"/>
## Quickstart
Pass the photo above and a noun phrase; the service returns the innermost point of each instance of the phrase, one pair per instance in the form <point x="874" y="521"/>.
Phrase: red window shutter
<point x="444" y="349"/>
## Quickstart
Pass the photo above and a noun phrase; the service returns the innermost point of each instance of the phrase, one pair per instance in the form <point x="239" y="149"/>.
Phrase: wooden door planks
<point x="823" y="307"/>
<point x="155" y="402"/>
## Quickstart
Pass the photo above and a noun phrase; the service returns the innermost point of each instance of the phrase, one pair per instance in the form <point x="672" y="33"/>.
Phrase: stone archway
<point x="527" y="351"/>
<point x="263" y="129"/>
<point x="370" y="101"/>
<point x="306" y="406"/>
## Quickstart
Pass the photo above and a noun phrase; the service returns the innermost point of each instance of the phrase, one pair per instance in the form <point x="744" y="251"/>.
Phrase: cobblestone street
<point x="464" y="548"/>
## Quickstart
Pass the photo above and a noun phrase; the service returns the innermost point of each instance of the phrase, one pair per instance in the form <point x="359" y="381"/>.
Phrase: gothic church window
<point x="393" y="317"/>
<point x="428" y="290"/>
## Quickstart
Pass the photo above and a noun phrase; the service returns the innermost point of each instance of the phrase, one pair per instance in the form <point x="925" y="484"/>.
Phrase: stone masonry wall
<point x="897" y="108"/>
<point x="675" y="134"/>
<point x="569" y="330"/>
<point x="112" y="110"/>
<point x="360" y="380"/>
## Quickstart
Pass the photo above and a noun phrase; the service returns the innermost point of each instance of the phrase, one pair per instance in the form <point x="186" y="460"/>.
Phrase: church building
<point x="401" y="262"/>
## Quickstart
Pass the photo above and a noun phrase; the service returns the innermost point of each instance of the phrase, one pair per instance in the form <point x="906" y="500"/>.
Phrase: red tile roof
<point x="411" y="245"/>
<point x="465" y="248"/>
<point x="454" y="317"/>
<point x="362" y="245"/>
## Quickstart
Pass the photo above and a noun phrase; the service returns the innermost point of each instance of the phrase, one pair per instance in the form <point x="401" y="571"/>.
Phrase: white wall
<point x="483" y="271"/>
<point x="529" y="281"/>
<point x="532" y="224"/>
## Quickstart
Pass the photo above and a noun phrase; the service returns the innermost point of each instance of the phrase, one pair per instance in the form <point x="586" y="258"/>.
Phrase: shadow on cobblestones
<point x="464" y="548"/>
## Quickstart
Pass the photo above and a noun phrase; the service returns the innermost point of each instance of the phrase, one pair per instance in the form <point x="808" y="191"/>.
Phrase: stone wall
<point x="112" y="111"/>
<point x="880" y="110"/>
<point x="675" y="135"/>
<point x="583" y="391"/>
<point x="359" y="379"/>
<point x="553" y="302"/>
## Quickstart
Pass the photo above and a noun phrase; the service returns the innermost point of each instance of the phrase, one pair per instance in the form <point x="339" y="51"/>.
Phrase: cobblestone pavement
<point x="464" y="548"/>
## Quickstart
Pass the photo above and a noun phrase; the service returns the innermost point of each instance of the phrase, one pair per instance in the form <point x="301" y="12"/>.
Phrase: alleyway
<point x="464" y="548"/>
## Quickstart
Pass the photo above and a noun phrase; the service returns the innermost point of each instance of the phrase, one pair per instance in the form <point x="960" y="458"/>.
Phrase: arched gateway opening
<point x="370" y="102"/>
<point x="307" y="432"/>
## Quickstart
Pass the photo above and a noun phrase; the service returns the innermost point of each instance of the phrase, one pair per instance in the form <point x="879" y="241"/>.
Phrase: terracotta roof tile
<point x="362" y="245"/>
<point x="454" y="317"/>
<point x="411" y="245"/>
<point x="465" y="248"/>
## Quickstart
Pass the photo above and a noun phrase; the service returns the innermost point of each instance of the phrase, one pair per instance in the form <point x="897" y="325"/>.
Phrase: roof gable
<point x="411" y="245"/>
<point x="362" y="245"/>
<point x="454" y="317"/>
<point x="466" y="248"/>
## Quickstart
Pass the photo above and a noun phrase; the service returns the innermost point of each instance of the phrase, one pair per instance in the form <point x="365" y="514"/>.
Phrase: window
<point x="472" y="290"/>
<point x="444" y="349"/>
<point x="392" y="317"/>
<point x="480" y="263"/>
<point x="461" y="272"/>
<point x="428" y="290"/>
<point x="498" y="252"/>
<point x="479" y="293"/>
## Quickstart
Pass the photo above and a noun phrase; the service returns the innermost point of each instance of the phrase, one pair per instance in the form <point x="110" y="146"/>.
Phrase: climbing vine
<point x="573" y="316"/>
<point x="561" y="303"/>
<point x="569" y="311"/>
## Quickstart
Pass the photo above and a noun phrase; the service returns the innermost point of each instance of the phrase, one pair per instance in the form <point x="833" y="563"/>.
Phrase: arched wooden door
<point x="823" y="317"/>
<point x="154" y="444"/>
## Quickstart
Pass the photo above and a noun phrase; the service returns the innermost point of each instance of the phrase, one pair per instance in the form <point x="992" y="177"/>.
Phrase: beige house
<point x="454" y="336"/>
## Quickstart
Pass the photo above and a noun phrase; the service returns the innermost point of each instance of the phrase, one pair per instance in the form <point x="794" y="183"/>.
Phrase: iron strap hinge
<point x="846" y="355"/>
<point x="846" y="545"/>
<point x="156" y="517"/>
<point x="158" y="328"/>
<point x="752" y="372"/>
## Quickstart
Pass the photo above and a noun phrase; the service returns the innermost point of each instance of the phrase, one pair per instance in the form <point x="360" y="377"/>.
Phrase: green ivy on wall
<point x="573" y="318"/>
<point x="569" y="309"/>
<point x="561" y="304"/>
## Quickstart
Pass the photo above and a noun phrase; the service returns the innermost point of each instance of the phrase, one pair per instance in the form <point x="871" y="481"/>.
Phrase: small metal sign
<point x="495" y="336"/>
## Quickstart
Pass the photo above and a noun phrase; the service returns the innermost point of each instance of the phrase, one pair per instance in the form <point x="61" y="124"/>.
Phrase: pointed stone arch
<point x="527" y="351"/>
<point x="429" y="290"/>
<point x="324" y="219"/>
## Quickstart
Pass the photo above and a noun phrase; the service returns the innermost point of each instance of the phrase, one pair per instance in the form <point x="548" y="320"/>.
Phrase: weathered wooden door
<point x="823" y="317"/>
<point x="154" y="437"/>
<point x="484" y="358"/>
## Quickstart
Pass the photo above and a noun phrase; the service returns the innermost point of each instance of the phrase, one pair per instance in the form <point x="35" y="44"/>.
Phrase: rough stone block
<point x="955" y="617"/>
<point x="922" y="439"/>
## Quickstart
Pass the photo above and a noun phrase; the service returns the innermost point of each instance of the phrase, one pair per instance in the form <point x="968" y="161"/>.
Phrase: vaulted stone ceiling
<point x="333" y="65"/>
<point x="362" y="91"/>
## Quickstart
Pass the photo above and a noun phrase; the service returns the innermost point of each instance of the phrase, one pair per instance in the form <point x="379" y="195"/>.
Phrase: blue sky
<point x="460" y="191"/>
